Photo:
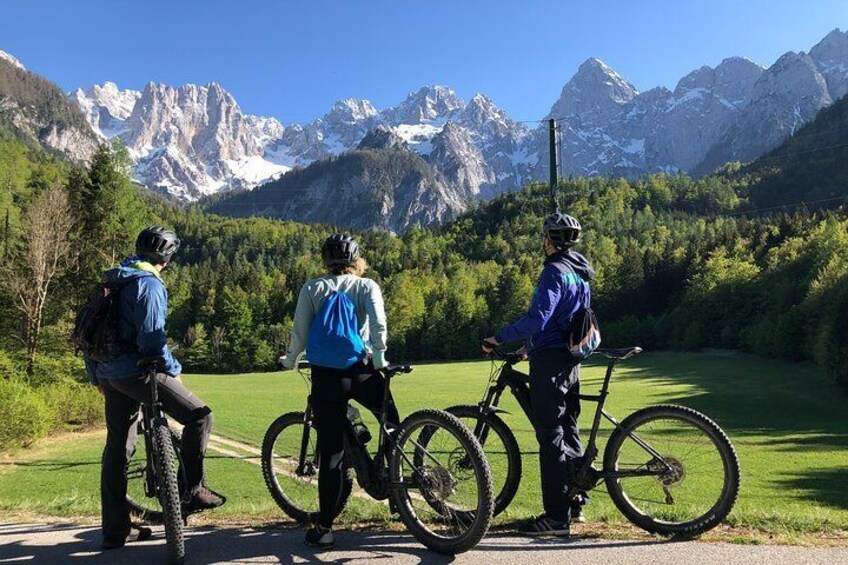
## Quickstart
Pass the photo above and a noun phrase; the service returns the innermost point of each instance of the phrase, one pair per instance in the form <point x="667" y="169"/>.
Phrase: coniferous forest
<point x="681" y="264"/>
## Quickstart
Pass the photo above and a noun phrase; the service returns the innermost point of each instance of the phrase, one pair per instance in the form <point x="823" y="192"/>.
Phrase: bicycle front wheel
<point x="143" y="508"/>
<point x="689" y="488"/>
<point x="443" y="491"/>
<point x="165" y="459"/>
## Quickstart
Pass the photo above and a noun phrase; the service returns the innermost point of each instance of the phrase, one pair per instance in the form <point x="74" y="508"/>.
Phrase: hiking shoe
<point x="544" y="526"/>
<point x="319" y="536"/>
<point x="144" y="534"/>
<point x="576" y="513"/>
<point x="204" y="499"/>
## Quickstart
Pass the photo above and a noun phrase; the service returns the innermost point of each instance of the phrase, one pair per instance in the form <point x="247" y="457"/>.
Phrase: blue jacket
<point x="562" y="290"/>
<point x="142" y="309"/>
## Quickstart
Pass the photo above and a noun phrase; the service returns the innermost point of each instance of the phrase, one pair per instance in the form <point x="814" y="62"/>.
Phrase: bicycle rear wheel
<point x="696" y="480"/>
<point x="442" y="491"/>
<point x="292" y="484"/>
<point x="165" y="459"/>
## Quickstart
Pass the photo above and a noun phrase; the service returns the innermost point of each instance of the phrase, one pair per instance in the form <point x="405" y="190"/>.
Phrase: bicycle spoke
<point x="689" y="478"/>
<point x="299" y="482"/>
<point x="445" y="495"/>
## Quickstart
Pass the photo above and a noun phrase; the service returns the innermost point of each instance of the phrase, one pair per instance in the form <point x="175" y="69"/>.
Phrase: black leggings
<point x="331" y="391"/>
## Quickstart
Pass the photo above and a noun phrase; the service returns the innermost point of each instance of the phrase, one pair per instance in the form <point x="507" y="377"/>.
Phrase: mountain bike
<point x="669" y="469"/>
<point x="154" y="475"/>
<point x="446" y="505"/>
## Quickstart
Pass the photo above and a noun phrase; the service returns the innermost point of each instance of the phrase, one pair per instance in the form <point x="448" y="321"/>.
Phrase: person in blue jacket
<point x="562" y="291"/>
<point x="142" y="310"/>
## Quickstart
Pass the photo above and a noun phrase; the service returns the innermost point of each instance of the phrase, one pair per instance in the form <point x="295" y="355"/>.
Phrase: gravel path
<point x="69" y="543"/>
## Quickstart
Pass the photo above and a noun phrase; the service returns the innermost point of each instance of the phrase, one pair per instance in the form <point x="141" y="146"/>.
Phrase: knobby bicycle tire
<point x="283" y="500"/>
<point x="482" y="516"/>
<point x="169" y="493"/>
<point x="506" y="493"/>
<point x="730" y="462"/>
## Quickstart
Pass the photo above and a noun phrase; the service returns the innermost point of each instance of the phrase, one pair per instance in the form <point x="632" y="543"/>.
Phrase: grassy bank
<point x="786" y="421"/>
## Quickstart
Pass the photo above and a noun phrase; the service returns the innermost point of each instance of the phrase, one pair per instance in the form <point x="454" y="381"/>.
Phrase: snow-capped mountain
<point x="195" y="140"/>
<point x="733" y="112"/>
<point x="188" y="141"/>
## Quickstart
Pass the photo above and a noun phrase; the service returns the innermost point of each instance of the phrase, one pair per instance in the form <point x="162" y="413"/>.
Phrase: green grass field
<point x="787" y="422"/>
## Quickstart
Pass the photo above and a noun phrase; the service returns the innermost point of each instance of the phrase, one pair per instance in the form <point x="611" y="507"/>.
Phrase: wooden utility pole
<point x="553" y="161"/>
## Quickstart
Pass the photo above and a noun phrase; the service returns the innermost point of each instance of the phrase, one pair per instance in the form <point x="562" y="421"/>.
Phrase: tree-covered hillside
<point x="387" y="187"/>
<point x="807" y="170"/>
<point x="37" y="111"/>
<point x="679" y="266"/>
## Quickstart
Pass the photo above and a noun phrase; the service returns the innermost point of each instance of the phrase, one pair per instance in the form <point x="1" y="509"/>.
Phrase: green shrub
<point x="24" y="415"/>
<point x="10" y="368"/>
<point x="49" y="369"/>
<point x="73" y="404"/>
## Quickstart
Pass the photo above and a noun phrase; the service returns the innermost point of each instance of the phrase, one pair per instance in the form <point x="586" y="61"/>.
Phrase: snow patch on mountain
<point x="12" y="60"/>
<point x="195" y="140"/>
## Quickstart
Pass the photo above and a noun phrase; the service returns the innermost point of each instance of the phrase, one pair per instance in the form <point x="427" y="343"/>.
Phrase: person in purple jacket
<point x="562" y="292"/>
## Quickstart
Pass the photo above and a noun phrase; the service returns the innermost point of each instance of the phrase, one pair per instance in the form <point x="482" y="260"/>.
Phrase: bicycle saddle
<point x="619" y="353"/>
<point x="152" y="361"/>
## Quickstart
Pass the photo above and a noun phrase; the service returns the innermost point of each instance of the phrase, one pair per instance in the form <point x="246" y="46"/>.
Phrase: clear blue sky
<point x="291" y="60"/>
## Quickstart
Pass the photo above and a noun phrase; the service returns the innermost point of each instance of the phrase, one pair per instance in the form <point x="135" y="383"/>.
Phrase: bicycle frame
<point x="519" y="385"/>
<point x="370" y="471"/>
<point x="152" y="415"/>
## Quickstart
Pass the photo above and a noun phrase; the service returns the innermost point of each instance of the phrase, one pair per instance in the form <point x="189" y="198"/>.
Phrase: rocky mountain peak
<point x="831" y="57"/>
<point x="119" y="103"/>
<point x="11" y="60"/>
<point x="732" y="80"/>
<point x="482" y="109"/>
<point x="426" y="104"/>
<point x="595" y="88"/>
<point x="793" y="76"/>
<point x="832" y="48"/>
<point x="351" y="111"/>
<point x="381" y="137"/>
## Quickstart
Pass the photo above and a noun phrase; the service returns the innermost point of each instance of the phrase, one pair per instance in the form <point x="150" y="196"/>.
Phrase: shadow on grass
<point x="759" y="402"/>
<point x="836" y="496"/>
<point x="283" y="545"/>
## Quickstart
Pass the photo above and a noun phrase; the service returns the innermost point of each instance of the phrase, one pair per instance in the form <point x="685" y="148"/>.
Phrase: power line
<point x="816" y="150"/>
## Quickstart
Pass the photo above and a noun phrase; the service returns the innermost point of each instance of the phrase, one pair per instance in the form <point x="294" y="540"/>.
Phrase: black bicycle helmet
<point x="562" y="229"/>
<point x="157" y="244"/>
<point x="339" y="250"/>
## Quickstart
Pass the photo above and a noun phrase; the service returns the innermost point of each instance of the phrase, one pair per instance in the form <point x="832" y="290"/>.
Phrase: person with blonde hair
<point x="340" y="321"/>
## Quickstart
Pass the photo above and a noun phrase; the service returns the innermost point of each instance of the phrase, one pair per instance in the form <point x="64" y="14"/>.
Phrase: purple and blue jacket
<point x="562" y="290"/>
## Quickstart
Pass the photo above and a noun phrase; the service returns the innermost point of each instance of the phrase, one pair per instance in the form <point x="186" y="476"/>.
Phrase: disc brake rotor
<point x="438" y="483"/>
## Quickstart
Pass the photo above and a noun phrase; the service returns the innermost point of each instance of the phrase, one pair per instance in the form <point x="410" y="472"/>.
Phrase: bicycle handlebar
<point x="511" y="357"/>
<point x="388" y="371"/>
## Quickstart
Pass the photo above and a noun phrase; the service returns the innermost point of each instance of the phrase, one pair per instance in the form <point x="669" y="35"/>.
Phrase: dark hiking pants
<point x="123" y="397"/>
<point x="554" y="398"/>
<point x="332" y="389"/>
